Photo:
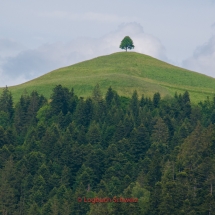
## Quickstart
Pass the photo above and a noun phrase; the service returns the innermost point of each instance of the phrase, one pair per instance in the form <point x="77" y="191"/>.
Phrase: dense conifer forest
<point x="56" y="154"/>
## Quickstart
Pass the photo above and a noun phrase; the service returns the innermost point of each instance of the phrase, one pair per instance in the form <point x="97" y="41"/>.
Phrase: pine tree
<point x="20" y="117"/>
<point x="156" y="99"/>
<point x="34" y="209"/>
<point x="7" y="188"/>
<point x="55" y="206"/>
<point x="80" y="207"/>
<point x="94" y="134"/>
<point x="186" y="104"/>
<point x="66" y="208"/>
<point x="109" y="96"/>
<point x="6" y="102"/>
<point x="2" y="137"/>
<point x="140" y="142"/>
<point x="134" y="106"/>
<point x="160" y="132"/>
<point x="35" y="103"/>
<point x="99" y="208"/>
<point x="96" y="161"/>
<point x="60" y="100"/>
<point x="39" y="190"/>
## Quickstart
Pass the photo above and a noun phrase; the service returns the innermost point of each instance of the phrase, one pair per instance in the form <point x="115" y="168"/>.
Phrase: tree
<point x="60" y="100"/>
<point x="34" y="209"/>
<point x="126" y="43"/>
<point x="6" y="102"/>
<point x="160" y="133"/>
<point x="156" y="99"/>
<point x="134" y="105"/>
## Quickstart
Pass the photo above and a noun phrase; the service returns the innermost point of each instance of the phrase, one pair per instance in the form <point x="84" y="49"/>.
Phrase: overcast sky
<point x="38" y="36"/>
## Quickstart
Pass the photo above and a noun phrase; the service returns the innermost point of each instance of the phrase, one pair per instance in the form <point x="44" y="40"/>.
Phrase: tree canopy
<point x="127" y="43"/>
<point x="54" y="154"/>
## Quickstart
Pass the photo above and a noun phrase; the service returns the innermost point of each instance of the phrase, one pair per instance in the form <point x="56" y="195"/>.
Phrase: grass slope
<point x="124" y="72"/>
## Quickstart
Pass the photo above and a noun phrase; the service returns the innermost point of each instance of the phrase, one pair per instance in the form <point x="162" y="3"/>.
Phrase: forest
<point x="58" y="156"/>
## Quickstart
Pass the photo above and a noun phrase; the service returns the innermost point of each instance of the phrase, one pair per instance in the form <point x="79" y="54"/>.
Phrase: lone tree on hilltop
<point x="126" y="43"/>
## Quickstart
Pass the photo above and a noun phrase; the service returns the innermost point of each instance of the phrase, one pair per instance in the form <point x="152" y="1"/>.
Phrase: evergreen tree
<point x="6" y="102"/>
<point x="99" y="208"/>
<point x="97" y="94"/>
<point x="134" y="106"/>
<point x="160" y="133"/>
<point x="109" y="96"/>
<point x="140" y="142"/>
<point x="7" y="188"/>
<point x="34" y="209"/>
<point x="159" y="150"/>
<point x="79" y="206"/>
<point x="2" y="137"/>
<point x="20" y="117"/>
<point x="156" y="99"/>
<point x="60" y="100"/>
<point x="186" y="104"/>
<point x="93" y="134"/>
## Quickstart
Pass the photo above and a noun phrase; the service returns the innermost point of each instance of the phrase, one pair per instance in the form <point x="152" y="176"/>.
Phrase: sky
<point x="39" y="36"/>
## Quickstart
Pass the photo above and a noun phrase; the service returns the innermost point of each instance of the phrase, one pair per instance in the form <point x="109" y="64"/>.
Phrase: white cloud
<point x="29" y="64"/>
<point x="203" y="59"/>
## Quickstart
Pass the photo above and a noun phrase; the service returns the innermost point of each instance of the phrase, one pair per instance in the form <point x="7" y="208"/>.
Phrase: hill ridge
<point x="124" y="72"/>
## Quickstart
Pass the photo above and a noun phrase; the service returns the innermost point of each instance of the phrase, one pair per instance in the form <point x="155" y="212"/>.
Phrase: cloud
<point x="203" y="59"/>
<point x="29" y="64"/>
<point x="213" y="28"/>
<point x="10" y="47"/>
<point x="89" y="16"/>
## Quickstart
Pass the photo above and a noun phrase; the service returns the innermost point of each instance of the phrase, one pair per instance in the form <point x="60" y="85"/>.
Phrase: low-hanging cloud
<point x="29" y="64"/>
<point x="10" y="47"/>
<point x="203" y="59"/>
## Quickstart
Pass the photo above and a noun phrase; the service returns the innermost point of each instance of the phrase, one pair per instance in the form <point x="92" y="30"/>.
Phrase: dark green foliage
<point x="35" y="103"/>
<point x="156" y="99"/>
<point x="26" y="111"/>
<point x="34" y="209"/>
<point x="8" y="188"/>
<point x="62" y="100"/>
<point x="93" y="134"/>
<point x="134" y="107"/>
<point x="20" y="118"/>
<point x="186" y="104"/>
<point x="2" y="137"/>
<point x="109" y="96"/>
<point x="160" y="134"/>
<point x="161" y="151"/>
<point x="140" y="142"/>
<point x="126" y="43"/>
<point x="6" y="103"/>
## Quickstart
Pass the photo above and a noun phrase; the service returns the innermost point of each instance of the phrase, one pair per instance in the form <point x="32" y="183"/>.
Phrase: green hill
<point x="124" y="72"/>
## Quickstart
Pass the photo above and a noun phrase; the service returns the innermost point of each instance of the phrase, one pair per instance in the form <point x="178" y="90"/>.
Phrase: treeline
<point x="52" y="152"/>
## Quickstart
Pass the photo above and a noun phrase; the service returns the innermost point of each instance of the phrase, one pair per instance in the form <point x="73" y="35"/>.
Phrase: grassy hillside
<point x="124" y="72"/>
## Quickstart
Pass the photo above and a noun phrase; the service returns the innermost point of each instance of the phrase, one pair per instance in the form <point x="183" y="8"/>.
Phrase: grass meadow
<point x="124" y="72"/>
